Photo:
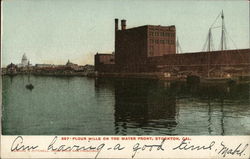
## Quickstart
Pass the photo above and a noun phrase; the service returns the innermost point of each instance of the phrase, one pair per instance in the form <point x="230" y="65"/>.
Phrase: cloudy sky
<point x="53" y="31"/>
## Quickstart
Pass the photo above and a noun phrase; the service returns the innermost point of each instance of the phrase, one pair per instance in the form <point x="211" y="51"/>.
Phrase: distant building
<point x="71" y="65"/>
<point x="24" y="62"/>
<point x="44" y="65"/>
<point x="12" y="68"/>
<point x="88" y="68"/>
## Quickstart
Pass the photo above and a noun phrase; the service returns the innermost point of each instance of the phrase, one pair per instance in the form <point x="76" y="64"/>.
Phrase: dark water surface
<point x="88" y="106"/>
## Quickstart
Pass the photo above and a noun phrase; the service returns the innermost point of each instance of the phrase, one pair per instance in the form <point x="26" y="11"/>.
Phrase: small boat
<point x="29" y="86"/>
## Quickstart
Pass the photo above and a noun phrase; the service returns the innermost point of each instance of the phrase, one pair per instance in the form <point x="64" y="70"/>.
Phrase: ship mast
<point x="223" y="40"/>
<point x="209" y="42"/>
<point x="178" y="46"/>
<point x="209" y="39"/>
<point x="208" y="45"/>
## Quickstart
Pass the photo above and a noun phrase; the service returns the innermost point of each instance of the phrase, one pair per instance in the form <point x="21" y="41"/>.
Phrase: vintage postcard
<point x="125" y="79"/>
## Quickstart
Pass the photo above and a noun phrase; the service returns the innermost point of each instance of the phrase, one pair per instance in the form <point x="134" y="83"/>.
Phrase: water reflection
<point x="146" y="107"/>
<point x="87" y="106"/>
<point x="143" y="104"/>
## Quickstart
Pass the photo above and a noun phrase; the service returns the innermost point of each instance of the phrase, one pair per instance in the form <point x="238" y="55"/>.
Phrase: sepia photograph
<point x="125" y="68"/>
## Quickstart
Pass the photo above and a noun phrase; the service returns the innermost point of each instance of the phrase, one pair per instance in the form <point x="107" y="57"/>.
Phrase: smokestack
<point x="123" y="24"/>
<point x="116" y="24"/>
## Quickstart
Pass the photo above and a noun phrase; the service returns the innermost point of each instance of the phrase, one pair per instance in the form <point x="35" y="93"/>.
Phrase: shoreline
<point x="157" y="76"/>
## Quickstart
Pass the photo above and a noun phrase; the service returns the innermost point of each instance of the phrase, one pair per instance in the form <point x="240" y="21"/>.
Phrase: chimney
<point x="123" y="24"/>
<point x="116" y="24"/>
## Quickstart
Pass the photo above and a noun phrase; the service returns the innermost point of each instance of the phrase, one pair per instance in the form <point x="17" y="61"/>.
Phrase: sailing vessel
<point x="209" y="48"/>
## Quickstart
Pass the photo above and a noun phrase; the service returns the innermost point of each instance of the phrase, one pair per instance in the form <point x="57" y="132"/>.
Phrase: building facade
<point x="152" y="49"/>
<point x="214" y="63"/>
<point x="133" y="46"/>
<point x="24" y="62"/>
<point x="104" y="62"/>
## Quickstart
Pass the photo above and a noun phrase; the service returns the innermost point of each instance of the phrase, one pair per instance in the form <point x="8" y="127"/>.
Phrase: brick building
<point x="214" y="63"/>
<point x="104" y="62"/>
<point x="133" y="46"/>
<point x="152" y="49"/>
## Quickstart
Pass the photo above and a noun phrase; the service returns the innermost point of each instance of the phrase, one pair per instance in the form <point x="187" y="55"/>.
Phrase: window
<point x="151" y="33"/>
<point x="151" y="48"/>
<point x="151" y="41"/>
<point x="157" y="41"/>
<point x="156" y="33"/>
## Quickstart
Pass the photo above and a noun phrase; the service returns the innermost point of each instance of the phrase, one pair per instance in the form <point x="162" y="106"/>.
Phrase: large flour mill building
<point x="152" y="49"/>
<point x="133" y="46"/>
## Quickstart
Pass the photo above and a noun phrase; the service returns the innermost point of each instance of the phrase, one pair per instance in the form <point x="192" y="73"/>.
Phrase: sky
<point x="53" y="31"/>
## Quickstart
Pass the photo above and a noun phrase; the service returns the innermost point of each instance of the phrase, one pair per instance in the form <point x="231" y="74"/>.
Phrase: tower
<point x="24" y="61"/>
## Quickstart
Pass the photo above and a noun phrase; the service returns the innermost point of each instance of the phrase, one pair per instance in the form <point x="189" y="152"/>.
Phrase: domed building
<point x="24" y="62"/>
<point x="71" y="65"/>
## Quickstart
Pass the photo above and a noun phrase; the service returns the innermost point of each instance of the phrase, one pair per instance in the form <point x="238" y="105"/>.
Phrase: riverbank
<point x="146" y="75"/>
<point x="51" y="70"/>
<point x="86" y="74"/>
<point x="185" y="78"/>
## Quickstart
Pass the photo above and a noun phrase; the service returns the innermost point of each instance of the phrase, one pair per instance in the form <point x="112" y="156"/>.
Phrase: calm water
<point x="87" y="106"/>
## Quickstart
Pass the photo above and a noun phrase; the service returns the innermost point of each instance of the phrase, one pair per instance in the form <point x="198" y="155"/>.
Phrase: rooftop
<point x="155" y="26"/>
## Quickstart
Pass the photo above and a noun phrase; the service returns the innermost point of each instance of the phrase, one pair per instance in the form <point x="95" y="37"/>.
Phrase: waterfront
<point x="89" y="106"/>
